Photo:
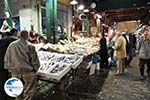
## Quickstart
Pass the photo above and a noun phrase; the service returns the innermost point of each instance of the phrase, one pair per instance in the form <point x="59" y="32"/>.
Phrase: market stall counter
<point x="61" y="60"/>
<point x="55" y="67"/>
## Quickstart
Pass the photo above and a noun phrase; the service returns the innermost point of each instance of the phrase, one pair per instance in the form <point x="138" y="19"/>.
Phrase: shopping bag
<point x="92" y="69"/>
<point x="98" y="66"/>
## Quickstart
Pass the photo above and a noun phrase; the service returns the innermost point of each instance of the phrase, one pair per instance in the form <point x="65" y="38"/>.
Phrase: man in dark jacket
<point x="130" y="45"/>
<point x="103" y="53"/>
<point x="4" y="43"/>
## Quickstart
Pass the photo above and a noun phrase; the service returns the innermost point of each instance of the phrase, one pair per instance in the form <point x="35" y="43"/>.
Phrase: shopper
<point x="103" y="53"/>
<point x="130" y="45"/>
<point x="14" y="32"/>
<point x="4" y="75"/>
<point x="134" y="45"/>
<point x="42" y="39"/>
<point x="144" y="54"/>
<point x="22" y="62"/>
<point x="120" y="53"/>
<point x="33" y="38"/>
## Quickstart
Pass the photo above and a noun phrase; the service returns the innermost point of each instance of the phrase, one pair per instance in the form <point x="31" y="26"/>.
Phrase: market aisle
<point x="86" y="87"/>
<point x="126" y="87"/>
<point x="100" y="86"/>
<point x="83" y="88"/>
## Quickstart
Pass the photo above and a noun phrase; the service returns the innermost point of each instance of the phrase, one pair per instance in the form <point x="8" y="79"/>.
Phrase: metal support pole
<point x="51" y="16"/>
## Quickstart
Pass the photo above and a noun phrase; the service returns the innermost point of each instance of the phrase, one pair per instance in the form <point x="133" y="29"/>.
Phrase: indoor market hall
<point x="75" y="50"/>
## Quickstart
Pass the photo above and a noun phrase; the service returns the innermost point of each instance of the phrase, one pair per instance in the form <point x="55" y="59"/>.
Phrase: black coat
<point x="131" y="43"/>
<point x="4" y="43"/>
<point x="103" y="47"/>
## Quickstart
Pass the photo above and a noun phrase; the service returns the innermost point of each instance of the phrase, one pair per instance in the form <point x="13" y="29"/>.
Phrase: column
<point x="86" y="24"/>
<point x="69" y="22"/>
<point x="51" y="16"/>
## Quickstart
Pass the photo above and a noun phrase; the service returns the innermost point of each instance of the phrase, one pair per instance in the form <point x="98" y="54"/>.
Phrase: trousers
<point x="3" y="79"/>
<point x="142" y="64"/>
<point x="121" y="65"/>
<point x="30" y="82"/>
<point x="129" y="56"/>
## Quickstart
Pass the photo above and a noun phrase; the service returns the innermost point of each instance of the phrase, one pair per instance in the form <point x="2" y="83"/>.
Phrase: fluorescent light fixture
<point x="73" y="2"/>
<point x="81" y="7"/>
<point x="139" y="21"/>
<point x="86" y="10"/>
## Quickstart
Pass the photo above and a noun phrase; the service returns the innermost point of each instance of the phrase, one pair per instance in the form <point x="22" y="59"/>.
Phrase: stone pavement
<point x="126" y="87"/>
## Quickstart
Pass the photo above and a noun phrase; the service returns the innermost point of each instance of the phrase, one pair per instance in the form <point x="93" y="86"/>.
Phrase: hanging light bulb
<point x="81" y="7"/>
<point x="86" y="10"/>
<point x="73" y="2"/>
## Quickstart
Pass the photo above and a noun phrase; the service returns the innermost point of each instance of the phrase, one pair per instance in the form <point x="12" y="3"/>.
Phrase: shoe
<point x="142" y="78"/>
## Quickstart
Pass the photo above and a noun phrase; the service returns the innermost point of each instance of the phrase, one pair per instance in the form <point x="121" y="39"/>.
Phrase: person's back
<point x="120" y="47"/>
<point x="120" y="53"/>
<point x="22" y="62"/>
<point x="4" y="43"/>
<point x="144" y="49"/>
<point x="103" y="53"/>
<point x="144" y="55"/>
<point x="127" y="42"/>
<point x="103" y="43"/>
<point x="20" y="53"/>
<point x="24" y="52"/>
<point x="4" y="75"/>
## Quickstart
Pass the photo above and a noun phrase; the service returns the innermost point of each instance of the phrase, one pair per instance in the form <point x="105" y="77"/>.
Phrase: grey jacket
<point x="144" y="49"/>
<point x="21" y="57"/>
